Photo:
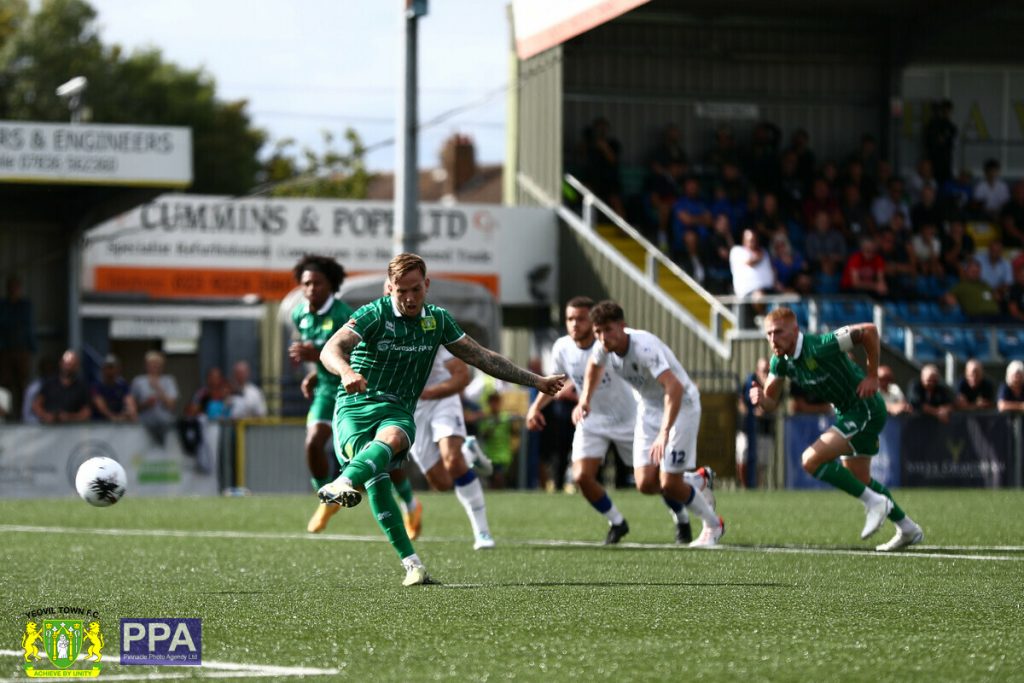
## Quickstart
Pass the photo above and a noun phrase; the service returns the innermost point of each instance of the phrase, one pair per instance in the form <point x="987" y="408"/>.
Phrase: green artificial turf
<point x="793" y="594"/>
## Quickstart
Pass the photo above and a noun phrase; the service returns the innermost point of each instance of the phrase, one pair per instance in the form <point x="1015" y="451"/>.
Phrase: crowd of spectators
<point x="821" y="226"/>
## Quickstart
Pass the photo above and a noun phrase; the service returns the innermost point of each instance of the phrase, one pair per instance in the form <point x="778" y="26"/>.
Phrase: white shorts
<point x="590" y="444"/>
<point x="435" y="420"/>
<point x="681" y="454"/>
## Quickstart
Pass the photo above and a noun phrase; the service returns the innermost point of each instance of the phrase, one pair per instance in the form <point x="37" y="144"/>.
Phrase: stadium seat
<point x="926" y="350"/>
<point x="916" y="311"/>
<point x="1011" y="343"/>
<point x="978" y="341"/>
<point x="894" y="336"/>
<point x="892" y="310"/>
<point x="801" y="309"/>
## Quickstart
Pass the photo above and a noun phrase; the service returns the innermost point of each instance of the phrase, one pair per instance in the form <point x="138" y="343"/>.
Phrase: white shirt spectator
<point x="748" y="278"/>
<point x="926" y="247"/>
<point x="992" y="196"/>
<point x="249" y="402"/>
<point x="995" y="275"/>
<point x="883" y="207"/>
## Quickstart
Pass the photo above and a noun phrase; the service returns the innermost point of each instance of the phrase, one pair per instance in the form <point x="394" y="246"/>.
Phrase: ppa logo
<point x="162" y="642"/>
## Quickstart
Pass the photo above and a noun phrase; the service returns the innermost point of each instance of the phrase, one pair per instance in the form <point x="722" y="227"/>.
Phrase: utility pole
<point x="406" y="231"/>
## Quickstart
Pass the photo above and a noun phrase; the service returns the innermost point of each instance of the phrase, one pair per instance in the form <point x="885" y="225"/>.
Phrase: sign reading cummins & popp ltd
<point x="95" y="154"/>
<point x="189" y="246"/>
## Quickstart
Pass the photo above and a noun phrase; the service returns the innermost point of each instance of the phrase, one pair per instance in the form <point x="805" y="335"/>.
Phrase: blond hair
<point x="780" y="314"/>
<point x="404" y="263"/>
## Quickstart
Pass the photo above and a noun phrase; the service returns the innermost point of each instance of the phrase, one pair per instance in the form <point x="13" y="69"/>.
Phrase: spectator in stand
<point x="895" y="401"/>
<point x="755" y="439"/>
<point x="804" y="402"/>
<point x="694" y="258"/>
<point x="955" y="193"/>
<point x="791" y="187"/>
<point x="247" y="399"/>
<point x="929" y="396"/>
<point x="855" y="176"/>
<point x="800" y="147"/>
<point x="975" y="391"/>
<point x="1015" y="297"/>
<point x="975" y="298"/>
<point x="820" y="199"/>
<point x="996" y="270"/>
<point x="927" y="248"/>
<point x="762" y="163"/>
<point x="830" y="172"/>
<point x="900" y="265"/>
<point x="112" y="395"/>
<point x="1011" y="218"/>
<point x="1011" y="392"/>
<point x="690" y="213"/>
<point x="723" y="151"/>
<point x="720" y="244"/>
<point x="920" y="180"/>
<point x="65" y="396"/>
<point x="825" y="249"/>
<point x="957" y="248"/>
<point x="752" y="273"/>
<point x="667" y="167"/>
<point x="892" y="202"/>
<point x="6" y="403"/>
<point x="865" y="271"/>
<point x="17" y="343"/>
<point x="156" y="396"/>
<point x="498" y="438"/>
<point x="927" y="209"/>
<point x="602" y="156"/>
<point x="991" y="193"/>
<point x="769" y="221"/>
<point x="45" y="367"/>
<point x="939" y="136"/>
<point x="856" y="216"/>
<point x="867" y="157"/>
<point x="211" y="399"/>
<point x="792" y="274"/>
<point x="731" y="195"/>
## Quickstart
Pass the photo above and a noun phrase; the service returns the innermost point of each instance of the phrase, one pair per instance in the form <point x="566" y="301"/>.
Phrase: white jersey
<point x="645" y="360"/>
<point x="437" y="418"/>
<point x="612" y="405"/>
<point x="439" y="373"/>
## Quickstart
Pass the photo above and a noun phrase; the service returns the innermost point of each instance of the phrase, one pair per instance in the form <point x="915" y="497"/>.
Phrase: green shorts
<point x="356" y="425"/>
<point x="862" y="425"/>
<point x="322" y="407"/>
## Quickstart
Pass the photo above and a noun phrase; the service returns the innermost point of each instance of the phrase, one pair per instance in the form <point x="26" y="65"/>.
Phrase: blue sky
<point x="313" y="64"/>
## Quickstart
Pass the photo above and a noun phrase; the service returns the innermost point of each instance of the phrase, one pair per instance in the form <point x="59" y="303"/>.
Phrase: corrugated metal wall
<point x="540" y="122"/>
<point x="643" y="72"/>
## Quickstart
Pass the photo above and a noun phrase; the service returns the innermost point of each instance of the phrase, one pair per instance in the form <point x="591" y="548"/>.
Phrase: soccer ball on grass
<point x="101" y="481"/>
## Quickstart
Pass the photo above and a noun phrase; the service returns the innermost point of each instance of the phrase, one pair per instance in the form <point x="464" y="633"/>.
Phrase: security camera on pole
<point x="72" y="92"/>
<point x="406" y="229"/>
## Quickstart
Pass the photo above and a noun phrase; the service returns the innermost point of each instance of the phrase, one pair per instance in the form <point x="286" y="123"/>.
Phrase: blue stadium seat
<point x="801" y="309"/>
<point x="1011" y="343"/>
<point x="927" y="351"/>
<point x="978" y="341"/>
<point x="916" y="311"/>
<point x="892" y="309"/>
<point x="894" y="336"/>
<point x="845" y="312"/>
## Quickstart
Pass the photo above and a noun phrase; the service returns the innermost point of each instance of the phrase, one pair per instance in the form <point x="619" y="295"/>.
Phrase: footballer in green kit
<point x="383" y="356"/>
<point x="842" y="455"/>
<point x="316" y="319"/>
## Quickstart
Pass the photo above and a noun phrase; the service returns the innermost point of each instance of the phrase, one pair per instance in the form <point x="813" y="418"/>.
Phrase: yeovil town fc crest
<point x="62" y="641"/>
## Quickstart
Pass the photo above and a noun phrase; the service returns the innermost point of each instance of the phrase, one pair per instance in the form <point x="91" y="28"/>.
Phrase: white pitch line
<point x="226" y="670"/>
<point x="931" y="551"/>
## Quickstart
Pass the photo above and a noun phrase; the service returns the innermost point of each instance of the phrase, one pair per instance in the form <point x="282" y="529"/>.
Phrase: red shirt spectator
<point x="865" y="270"/>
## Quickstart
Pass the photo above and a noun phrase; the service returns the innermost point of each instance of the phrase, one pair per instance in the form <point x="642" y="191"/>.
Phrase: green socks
<point x="404" y="491"/>
<point x="897" y="513"/>
<point x="835" y="474"/>
<point x="386" y="512"/>
<point x="370" y="462"/>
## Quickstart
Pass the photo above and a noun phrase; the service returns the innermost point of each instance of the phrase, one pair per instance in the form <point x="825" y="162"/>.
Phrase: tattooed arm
<point x="498" y="366"/>
<point x="336" y="355"/>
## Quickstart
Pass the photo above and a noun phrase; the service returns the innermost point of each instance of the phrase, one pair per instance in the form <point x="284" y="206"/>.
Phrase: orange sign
<point x="188" y="283"/>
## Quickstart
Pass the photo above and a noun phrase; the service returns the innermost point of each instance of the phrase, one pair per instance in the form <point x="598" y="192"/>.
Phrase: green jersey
<point x="821" y="367"/>
<point x="396" y="353"/>
<point x="318" y="327"/>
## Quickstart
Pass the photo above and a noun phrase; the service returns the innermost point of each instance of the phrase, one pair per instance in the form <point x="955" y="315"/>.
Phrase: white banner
<point x="95" y="154"/>
<point x="196" y="246"/>
<point x="38" y="461"/>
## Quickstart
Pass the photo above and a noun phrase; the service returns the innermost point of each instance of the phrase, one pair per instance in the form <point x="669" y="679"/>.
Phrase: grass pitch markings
<point x="929" y="551"/>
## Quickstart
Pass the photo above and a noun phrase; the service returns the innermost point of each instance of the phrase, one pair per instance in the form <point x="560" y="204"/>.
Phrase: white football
<point x="101" y="481"/>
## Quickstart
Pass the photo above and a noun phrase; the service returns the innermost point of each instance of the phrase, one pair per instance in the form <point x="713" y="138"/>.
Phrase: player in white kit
<point x="440" y="435"/>
<point x="611" y="422"/>
<point x="667" y="413"/>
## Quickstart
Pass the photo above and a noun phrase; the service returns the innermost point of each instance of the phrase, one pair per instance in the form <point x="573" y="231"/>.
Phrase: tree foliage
<point x="332" y="173"/>
<point x="41" y="50"/>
